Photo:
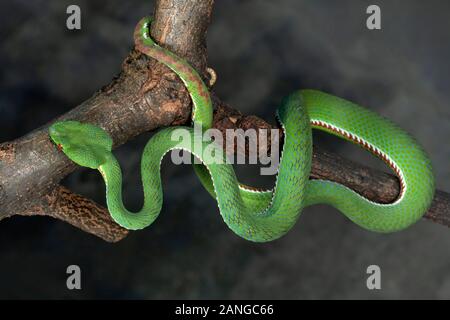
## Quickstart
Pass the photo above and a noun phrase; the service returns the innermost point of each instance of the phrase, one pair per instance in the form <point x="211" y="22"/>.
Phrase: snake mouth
<point x="58" y="133"/>
<point x="369" y="147"/>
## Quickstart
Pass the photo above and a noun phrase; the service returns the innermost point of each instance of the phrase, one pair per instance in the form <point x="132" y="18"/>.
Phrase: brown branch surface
<point x="373" y="184"/>
<point x="145" y="96"/>
<point x="79" y="211"/>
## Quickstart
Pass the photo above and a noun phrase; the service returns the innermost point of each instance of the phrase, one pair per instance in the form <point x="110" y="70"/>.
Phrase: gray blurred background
<point x="261" y="50"/>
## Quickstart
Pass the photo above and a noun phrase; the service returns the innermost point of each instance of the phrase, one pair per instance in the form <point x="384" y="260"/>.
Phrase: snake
<point x="252" y="213"/>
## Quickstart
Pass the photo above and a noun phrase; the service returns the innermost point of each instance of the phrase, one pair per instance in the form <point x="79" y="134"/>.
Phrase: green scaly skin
<point x="262" y="215"/>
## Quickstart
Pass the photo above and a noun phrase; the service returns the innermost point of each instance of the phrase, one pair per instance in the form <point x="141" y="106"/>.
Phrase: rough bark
<point x="373" y="184"/>
<point x="144" y="97"/>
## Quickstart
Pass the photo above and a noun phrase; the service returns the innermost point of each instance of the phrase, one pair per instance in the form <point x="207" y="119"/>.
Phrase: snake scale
<point x="254" y="214"/>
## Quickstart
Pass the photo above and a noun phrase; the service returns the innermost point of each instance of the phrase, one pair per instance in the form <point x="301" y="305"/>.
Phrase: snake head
<point x="85" y="144"/>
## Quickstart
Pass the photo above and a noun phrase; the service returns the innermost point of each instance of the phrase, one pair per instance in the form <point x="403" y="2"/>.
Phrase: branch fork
<point x="143" y="97"/>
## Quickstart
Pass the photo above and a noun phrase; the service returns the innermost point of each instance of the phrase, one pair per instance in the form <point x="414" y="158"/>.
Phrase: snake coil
<point x="262" y="215"/>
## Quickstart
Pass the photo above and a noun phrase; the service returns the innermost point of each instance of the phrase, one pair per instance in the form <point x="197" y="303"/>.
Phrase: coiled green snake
<point x="259" y="215"/>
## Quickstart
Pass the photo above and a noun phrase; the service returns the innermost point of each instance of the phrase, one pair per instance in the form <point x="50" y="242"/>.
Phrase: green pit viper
<point x="254" y="214"/>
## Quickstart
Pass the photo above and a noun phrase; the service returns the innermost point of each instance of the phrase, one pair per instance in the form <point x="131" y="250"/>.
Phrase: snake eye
<point x="60" y="147"/>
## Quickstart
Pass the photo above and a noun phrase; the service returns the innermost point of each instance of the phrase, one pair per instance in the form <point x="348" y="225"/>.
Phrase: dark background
<point x="261" y="50"/>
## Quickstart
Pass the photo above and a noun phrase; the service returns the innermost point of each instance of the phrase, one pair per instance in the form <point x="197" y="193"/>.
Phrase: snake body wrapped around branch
<point x="261" y="215"/>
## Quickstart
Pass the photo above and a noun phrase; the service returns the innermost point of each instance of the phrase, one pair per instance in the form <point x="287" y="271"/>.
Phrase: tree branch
<point x="145" y="96"/>
<point x="373" y="184"/>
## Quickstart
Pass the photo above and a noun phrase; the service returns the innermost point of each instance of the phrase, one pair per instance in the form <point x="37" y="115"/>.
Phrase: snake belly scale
<point x="253" y="214"/>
